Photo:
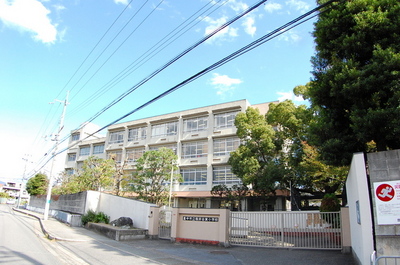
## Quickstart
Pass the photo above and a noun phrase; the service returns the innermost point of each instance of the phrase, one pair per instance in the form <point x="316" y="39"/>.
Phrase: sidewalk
<point x="165" y="252"/>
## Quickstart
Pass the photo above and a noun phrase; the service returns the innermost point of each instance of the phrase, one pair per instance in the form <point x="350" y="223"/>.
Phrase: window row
<point x="85" y="151"/>
<point x="221" y="147"/>
<point x="221" y="121"/>
<point x="198" y="176"/>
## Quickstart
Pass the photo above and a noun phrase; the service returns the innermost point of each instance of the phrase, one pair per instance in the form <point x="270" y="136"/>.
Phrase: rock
<point x="125" y="222"/>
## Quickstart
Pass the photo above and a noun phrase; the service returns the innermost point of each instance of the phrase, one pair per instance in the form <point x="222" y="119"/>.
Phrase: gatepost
<point x="201" y="226"/>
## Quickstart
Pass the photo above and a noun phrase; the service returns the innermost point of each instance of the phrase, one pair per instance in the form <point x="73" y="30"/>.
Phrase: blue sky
<point x="98" y="49"/>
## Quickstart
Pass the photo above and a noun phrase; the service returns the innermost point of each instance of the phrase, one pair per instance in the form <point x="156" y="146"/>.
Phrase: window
<point x="195" y="124"/>
<point x="224" y="175"/>
<point x="98" y="149"/>
<point x="75" y="136"/>
<point x="134" y="154"/>
<point x="116" y="137"/>
<point x="69" y="171"/>
<point x="225" y="120"/>
<point x="84" y="151"/>
<point x="136" y="134"/>
<point x="224" y="146"/>
<point x="164" y="129"/>
<point x="194" y="149"/>
<point x="116" y="155"/>
<point x="169" y="146"/>
<point x="72" y="157"/>
<point x="194" y="176"/>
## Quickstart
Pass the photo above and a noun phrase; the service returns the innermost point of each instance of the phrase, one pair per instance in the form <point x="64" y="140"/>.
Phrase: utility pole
<point x="26" y="159"/>
<point x="60" y="127"/>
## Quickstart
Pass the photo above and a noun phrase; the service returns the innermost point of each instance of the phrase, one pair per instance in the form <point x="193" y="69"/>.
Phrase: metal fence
<point x="384" y="260"/>
<point x="165" y="224"/>
<point x="307" y="230"/>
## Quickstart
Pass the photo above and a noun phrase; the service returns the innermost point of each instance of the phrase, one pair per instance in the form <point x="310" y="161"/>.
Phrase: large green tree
<point x="153" y="172"/>
<point x="275" y="153"/>
<point x="37" y="185"/>
<point x="356" y="78"/>
<point x="96" y="174"/>
<point x="257" y="160"/>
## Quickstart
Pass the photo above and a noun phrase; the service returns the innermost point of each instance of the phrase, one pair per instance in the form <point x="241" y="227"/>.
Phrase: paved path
<point x="148" y="251"/>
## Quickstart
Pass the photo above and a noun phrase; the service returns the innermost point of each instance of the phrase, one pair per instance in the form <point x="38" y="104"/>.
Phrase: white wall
<point x="357" y="190"/>
<point x="116" y="207"/>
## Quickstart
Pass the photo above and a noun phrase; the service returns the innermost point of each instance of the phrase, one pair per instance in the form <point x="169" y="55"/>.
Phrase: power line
<point x="114" y="38"/>
<point x="288" y="26"/>
<point x="154" y="50"/>
<point x="176" y="58"/>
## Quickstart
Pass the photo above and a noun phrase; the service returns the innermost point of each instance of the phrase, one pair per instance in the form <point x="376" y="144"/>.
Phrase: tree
<point x="356" y="78"/>
<point x="231" y="194"/>
<point x="96" y="174"/>
<point x="153" y="172"/>
<point x="307" y="172"/>
<point x="119" y="174"/>
<point x="257" y="160"/>
<point x="37" y="185"/>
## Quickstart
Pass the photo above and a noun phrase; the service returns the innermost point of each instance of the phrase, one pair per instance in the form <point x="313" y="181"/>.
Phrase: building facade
<point x="202" y="138"/>
<point x="15" y="190"/>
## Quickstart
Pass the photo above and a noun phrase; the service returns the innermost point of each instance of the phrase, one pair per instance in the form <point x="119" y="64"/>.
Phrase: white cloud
<point x="123" y="2"/>
<point x="224" y="84"/>
<point x="271" y="7"/>
<point x="298" y="5"/>
<point x="30" y="16"/>
<point x="290" y="36"/>
<point x="289" y="95"/>
<point x="225" y="34"/>
<point x="249" y="27"/>
<point x="238" y="6"/>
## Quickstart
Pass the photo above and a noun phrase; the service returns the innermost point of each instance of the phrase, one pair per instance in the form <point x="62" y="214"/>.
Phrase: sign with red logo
<point x="385" y="192"/>
<point x="387" y="202"/>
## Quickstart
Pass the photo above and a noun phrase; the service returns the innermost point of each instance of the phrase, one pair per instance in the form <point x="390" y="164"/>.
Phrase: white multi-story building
<point x="202" y="138"/>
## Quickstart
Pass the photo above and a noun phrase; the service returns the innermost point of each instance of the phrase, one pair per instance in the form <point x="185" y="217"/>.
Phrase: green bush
<point x="92" y="217"/>
<point x="330" y="203"/>
<point x="4" y="195"/>
<point x="102" y="218"/>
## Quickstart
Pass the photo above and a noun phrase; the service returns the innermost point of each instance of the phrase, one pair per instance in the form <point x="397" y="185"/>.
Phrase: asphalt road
<point x="23" y="242"/>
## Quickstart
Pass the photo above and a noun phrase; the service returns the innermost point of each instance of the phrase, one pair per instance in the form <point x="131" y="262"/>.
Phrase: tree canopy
<point x="96" y="174"/>
<point x="37" y="185"/>
<point x="356" y="78"/>
<point x="256" y="161"/>
<point x="154" y="171"/>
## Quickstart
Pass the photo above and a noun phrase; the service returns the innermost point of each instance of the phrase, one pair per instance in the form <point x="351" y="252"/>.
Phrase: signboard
<point x="200" y="219"/>
<point x="387" y="201"/>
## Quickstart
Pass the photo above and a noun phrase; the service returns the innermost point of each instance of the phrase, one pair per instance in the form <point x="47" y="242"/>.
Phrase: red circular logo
<point x="384" y="192"/>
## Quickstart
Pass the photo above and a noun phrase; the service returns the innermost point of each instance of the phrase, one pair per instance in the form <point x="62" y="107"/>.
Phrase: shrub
<point x="102" y="218"/>
<point x="4" y="195"/>
<point x="330" y="203"/>
<point x="92" y="217"/>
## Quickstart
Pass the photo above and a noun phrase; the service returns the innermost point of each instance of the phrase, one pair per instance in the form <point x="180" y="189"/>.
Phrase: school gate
<point x="303" y="230"/>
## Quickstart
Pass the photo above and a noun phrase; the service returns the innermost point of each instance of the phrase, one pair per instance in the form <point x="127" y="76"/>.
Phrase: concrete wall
<point x="74" y="203"/>
<point x="80" y="203"/>
<point x="385" y="166"/>
<point x="116" y="207"/>
<point x="358" y="200"/>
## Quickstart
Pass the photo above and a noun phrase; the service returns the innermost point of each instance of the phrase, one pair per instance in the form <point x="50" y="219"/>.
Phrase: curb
<point x="40" y="221"/>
